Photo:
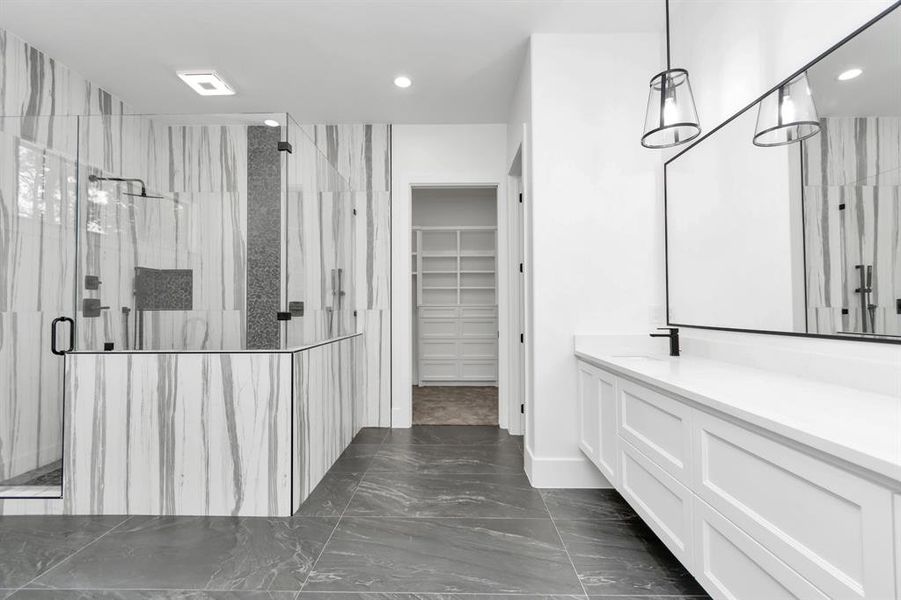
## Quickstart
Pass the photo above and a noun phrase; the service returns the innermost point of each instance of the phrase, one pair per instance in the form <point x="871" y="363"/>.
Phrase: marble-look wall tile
<point x="852" y="216"/>
<point x="30" y="394"/>
<point x="362" y="153"/>
<point x="854" y="151"/>
<point x="186" y="434"/>
<point x="326" y="402"/>
<point x="200" y="223"/>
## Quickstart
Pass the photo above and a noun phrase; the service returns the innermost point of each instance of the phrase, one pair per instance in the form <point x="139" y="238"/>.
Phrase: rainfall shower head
<point x="96" y="178"/>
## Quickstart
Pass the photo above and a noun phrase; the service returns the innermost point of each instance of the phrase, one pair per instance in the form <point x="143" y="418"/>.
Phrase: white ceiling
<point x="323" y="61"/>
<point x="877" y="92"/>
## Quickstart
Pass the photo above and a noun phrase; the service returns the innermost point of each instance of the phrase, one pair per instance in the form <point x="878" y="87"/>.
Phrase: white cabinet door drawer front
<point x="439" y="370"/>
<point x="438" y="328"/>
<point x="438" y="349"/>
<point x="438" y="313"/>
<point x="898" y="544"/>
<point x="468" y="312"/>
<point x="609" y="443"/>
<point x="663" y="502"/>
<point x="730" y="565"/>
<point x="827" y="524"/>
<point x="478" y="370"/>
<point x="658" y="426"/>
<point x="589" y="415"/>
<point x="478" y="328"/>
<point x="486" y="349"/>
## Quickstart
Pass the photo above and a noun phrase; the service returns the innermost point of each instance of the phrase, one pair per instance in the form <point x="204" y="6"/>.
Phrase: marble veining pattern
<point x="362" y="154"/>
<point x="852" y="216"/>
<point x="164" y="434"/>
<point x="327" y="401"/>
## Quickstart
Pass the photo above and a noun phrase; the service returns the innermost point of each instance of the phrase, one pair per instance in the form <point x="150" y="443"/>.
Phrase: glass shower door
<point x="38" y="238"/>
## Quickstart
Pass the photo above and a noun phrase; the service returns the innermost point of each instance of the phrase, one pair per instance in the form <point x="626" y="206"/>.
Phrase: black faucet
<point x="673" y="335"/>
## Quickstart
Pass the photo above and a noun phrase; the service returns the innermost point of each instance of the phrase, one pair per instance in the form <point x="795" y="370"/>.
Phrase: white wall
<point x="734" y="52"/>
<point x="434" y="155"/>
<point x="519" y="367"/>
<point x="595" y="239"/>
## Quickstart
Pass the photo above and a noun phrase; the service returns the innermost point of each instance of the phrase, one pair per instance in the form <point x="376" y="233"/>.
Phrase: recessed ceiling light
<point x="206" y="83"/>
<point x="850" y="74"/>
<point x="402" y="81"/>
<point x="271" y="123"/>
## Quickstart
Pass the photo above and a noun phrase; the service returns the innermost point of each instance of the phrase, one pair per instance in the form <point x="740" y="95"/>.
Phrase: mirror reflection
<point x="802" y="237"/>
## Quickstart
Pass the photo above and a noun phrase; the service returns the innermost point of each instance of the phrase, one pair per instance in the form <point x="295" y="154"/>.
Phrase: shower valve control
<point x="92" y="282"/>
<point x="90" y="308"/>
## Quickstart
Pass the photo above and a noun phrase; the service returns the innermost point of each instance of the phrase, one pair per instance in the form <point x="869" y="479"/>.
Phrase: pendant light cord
<point x="667" y="37"/>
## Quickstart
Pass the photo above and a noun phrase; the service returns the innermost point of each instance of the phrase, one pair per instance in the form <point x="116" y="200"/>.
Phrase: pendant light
<point x="787" y="115"/>
<point x="671" y="118"/>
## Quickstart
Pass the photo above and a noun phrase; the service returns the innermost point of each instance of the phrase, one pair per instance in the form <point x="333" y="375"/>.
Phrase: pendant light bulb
<point x="671" y="117"/>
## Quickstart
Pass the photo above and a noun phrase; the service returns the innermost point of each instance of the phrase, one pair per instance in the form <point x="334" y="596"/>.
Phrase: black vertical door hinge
<point x="520" y="197"/>
<point x="520" y="268"/>
<point x="522" y="338"/>
<point x="522" y="409"/>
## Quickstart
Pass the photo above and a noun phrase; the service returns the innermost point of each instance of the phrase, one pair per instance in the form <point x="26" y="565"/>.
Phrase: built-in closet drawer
<point x="478" y="327"/>
<point x="444" y="312"/>
<point x="438" y="370"/>
<point x="484" y="349"/>
<point x="469" y="312"/>
<point x="658" y="426"/>
<point x="663" y="502"/>
<point x="436" y="348"/>
<point x="438" y="328"/>
<point x="478" y="370"/>
<point x="729" y="564"/>
<point x="824" y="522"/>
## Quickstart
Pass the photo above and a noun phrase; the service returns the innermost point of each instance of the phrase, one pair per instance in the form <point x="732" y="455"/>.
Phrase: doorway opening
<point x="455" y="306"/>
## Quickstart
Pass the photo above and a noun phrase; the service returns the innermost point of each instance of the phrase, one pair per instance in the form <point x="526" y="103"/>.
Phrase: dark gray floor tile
<point x="371" y="435"/>
<point x="439" y="495"/>
<point x="196" y="553"/>
<point x="355" y="459"/>
<point x="31" y="545"/>
<point x="445" y="555"/>
<point x="478" y="459"/>
<point x="667" y="597"/>
<point x="450" y="435"/>
<point x="588" y="504"/>
<point x="411" y="596"/>
<point x="148" y="595"/>
<point x="331" y="496"/>
<point x="624" y="558"/>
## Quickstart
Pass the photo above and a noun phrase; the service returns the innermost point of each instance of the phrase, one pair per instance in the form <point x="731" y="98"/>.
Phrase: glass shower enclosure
<point x="157" y="233"/>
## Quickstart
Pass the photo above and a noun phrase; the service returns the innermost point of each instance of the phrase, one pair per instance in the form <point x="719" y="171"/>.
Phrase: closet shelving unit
<point x="455" y="271"/>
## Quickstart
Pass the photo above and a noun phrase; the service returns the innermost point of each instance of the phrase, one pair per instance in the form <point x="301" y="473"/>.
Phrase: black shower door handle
<point x="53" y="328"/>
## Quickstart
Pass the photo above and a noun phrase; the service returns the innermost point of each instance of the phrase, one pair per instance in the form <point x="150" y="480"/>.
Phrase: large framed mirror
<point x="802" y="238"/>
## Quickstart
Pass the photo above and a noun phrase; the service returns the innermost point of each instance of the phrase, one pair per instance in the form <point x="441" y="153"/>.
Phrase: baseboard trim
<point x="568" y="472"/>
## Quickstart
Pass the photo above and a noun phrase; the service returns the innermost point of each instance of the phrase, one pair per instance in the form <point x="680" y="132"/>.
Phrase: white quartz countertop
<point x="860" y="427"/>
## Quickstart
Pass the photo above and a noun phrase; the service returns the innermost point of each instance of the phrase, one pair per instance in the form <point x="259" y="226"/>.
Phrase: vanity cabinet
<point x="898" y="544"/>
<point x="751" y="514"/>
<point x="597" y="423"/>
